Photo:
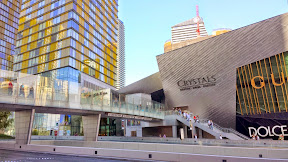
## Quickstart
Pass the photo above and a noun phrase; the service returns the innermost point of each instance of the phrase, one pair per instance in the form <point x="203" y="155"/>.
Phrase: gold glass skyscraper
<point x="9" y="17"/>
<point x="66" y="39"/>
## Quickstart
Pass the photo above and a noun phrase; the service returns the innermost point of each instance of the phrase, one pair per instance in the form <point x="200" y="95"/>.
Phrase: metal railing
<point x="100" y="105"/>
<point x="225" y="130"/>
<point x="206" y="142"/>
<point x="205" y="122"/>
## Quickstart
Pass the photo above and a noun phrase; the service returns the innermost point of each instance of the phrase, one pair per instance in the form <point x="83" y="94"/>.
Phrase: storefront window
<point x="57" y="125"/>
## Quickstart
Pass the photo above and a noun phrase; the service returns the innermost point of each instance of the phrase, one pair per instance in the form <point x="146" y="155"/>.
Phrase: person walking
<point x="10" y="88"/>
<point x="220" y="137"/>
<point x="22" y="90"/>
<point x="281" y="137"/>
<point x="31" y="92"/>
<point x="195" y="136"/>
<point x="164" y="136"/>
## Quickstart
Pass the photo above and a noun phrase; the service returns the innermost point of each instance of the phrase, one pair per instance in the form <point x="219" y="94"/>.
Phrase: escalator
<point x="228" y="133"/>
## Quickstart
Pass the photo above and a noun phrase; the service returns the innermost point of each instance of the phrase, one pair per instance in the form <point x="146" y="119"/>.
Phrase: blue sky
<point x="148" y="24"/>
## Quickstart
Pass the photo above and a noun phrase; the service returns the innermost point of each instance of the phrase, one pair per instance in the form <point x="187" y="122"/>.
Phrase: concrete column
<point x="174" y="131"/>
<point x="193" y="131"/>
<point x="23" y="126"/>
<point x="185" y="131"/>
<point x="200" y="133"/>
<point x="91" y="126"/>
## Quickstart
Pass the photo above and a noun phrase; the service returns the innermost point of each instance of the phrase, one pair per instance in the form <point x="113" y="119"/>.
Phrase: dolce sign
<point x="197" y="83"/>
<point x="268" y="131"/>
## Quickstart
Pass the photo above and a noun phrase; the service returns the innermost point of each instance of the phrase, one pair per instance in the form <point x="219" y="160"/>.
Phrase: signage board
<point x="196" y="83"/>
<point x="262" y="81"/>
<point x="263" y="131"/>
<point x="128" y="116"/>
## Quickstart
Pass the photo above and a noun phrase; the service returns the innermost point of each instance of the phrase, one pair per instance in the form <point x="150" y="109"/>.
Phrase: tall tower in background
<point x="69" y="40"/>
<point x="9" y="17"/>
<point x="188" y="30"/>
<point x="121" y="56"/>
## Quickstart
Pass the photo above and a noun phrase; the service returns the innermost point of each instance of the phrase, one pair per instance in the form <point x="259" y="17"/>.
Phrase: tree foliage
<point x="5" y="121"/>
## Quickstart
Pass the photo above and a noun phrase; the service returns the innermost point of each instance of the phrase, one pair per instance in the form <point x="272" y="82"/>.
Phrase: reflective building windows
<point x="84" y="25"/>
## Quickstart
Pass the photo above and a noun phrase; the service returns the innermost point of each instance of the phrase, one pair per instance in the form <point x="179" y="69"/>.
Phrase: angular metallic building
<point x="213" y="77"/>
<point x="238" y="79"/>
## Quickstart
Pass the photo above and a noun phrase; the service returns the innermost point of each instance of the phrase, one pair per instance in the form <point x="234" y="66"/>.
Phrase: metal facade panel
<point x="146" y="85"/>
<point x="219" y="56"/>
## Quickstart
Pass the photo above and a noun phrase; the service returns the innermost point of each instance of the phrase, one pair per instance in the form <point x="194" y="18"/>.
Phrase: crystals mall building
<point x="238" y="79"/>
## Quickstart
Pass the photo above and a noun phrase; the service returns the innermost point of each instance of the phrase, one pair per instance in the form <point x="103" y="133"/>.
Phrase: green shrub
<point x="3" y="136"/>
<point x="35" y="132"/>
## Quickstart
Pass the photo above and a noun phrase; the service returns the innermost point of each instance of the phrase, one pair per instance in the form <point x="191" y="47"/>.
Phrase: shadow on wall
<point x="156" y="131"/>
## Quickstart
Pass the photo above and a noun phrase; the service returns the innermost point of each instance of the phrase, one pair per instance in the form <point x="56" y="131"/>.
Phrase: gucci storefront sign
<point x="262" y="81"/>
<point x="196" y="83"/>
<point x="263" y="131"/>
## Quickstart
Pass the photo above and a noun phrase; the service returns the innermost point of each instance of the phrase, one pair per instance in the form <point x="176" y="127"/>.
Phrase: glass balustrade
<point x="25" y="89"/>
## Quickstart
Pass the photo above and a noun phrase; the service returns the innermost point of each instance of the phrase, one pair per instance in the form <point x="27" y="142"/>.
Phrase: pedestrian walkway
<point x="38" y="92"/>
<point x="7" y="155"/>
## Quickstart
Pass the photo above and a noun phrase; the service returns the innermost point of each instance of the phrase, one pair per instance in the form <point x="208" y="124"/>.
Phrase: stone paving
<point x="17" y="156"/>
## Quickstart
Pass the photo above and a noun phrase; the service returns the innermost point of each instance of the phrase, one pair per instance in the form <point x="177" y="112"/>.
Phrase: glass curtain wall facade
<point x="262" y="86"/>
<point x="9" y="17"/>
<point x="81" y="35"/>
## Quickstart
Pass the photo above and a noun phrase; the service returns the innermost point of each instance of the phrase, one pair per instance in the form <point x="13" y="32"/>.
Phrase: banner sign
<point x="128" y="116"/>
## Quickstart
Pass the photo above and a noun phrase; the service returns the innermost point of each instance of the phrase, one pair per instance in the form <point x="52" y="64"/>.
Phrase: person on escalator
<point x="197" y="118"/>
<point x="211" y="126"/>
<point x="184" y="115"/>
